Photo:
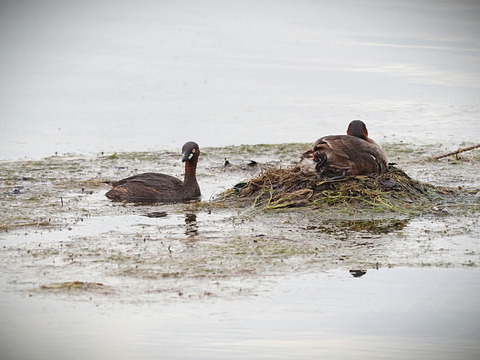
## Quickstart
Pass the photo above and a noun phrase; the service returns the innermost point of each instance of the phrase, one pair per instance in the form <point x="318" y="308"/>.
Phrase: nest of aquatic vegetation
<point x="285" y="187"/>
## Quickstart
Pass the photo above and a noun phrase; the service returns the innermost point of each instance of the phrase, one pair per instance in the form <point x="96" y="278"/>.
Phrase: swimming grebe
<point x="153" y="187"/>
<point x="337" y="156"/>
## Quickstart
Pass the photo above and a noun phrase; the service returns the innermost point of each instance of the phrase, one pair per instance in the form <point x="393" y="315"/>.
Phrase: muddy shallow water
<point x="83" y="275"/>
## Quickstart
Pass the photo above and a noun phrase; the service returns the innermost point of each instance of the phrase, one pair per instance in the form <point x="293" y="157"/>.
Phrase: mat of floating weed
<point x="283" y="187"/>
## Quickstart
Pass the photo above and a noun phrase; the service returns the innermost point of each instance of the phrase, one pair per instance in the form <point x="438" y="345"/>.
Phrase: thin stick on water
<point x="460" y="150"/>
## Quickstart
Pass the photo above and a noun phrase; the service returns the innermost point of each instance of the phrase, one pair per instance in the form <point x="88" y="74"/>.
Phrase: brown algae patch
<point x="73" y="286"/>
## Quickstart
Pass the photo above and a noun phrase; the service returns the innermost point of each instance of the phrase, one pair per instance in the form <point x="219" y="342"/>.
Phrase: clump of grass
<point x="285" y="187"/>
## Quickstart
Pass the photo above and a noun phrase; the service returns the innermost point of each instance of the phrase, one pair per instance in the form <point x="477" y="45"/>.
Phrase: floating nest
<point x="286" y="187"/>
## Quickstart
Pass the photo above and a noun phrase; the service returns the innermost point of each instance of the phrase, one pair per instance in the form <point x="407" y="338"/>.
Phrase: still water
<point x="302" y="316"/>
<point x="88" y="77"/>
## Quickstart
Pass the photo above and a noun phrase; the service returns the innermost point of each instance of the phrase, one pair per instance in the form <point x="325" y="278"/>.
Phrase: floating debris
<point x="156" y="214"/>
<point x="456" y="152"/>
<point x="357" y="273"/>
<point x="72" y="285"/>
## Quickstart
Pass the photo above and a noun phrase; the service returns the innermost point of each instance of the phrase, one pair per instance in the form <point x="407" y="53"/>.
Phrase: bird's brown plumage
<point x="337" y="156"/>
<point x="342" y="155"/>
<point x="154" y="187"/>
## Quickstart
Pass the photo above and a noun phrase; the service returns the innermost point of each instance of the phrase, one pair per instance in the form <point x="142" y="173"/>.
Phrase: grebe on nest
<point x="337" y="156"/>
<point x="154" y="187"/>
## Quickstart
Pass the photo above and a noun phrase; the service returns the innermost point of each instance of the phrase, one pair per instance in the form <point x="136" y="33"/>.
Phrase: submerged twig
<point x="460" y="150"/>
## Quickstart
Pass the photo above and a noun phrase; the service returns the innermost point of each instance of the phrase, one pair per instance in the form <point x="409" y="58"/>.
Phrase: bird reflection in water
<point x="191" y="224"/>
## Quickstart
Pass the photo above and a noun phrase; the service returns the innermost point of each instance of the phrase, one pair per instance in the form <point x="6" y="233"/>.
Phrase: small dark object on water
<point x="17" y="190"/>
<point x="154" y="187"/>
<point x="156" y="214"/>
<point x="252" y="163"/>
<point x="226" y="163"/>
<point x="240" y="186"/>
<point x="358" y="273"/>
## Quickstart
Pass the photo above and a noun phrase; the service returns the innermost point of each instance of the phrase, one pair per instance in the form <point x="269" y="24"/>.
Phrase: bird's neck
<point x="190" y="170"/>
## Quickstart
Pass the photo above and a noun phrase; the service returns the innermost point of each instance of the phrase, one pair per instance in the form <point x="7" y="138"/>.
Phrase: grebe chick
<point x="307" y="162"/>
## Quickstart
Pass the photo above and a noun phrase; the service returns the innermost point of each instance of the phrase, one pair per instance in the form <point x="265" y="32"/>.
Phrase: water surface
<point x="299" y="316"/>
<point x="84" y="77"/>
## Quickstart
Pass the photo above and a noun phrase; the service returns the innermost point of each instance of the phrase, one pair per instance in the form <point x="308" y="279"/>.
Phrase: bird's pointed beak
<point x="187" y="156"/>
